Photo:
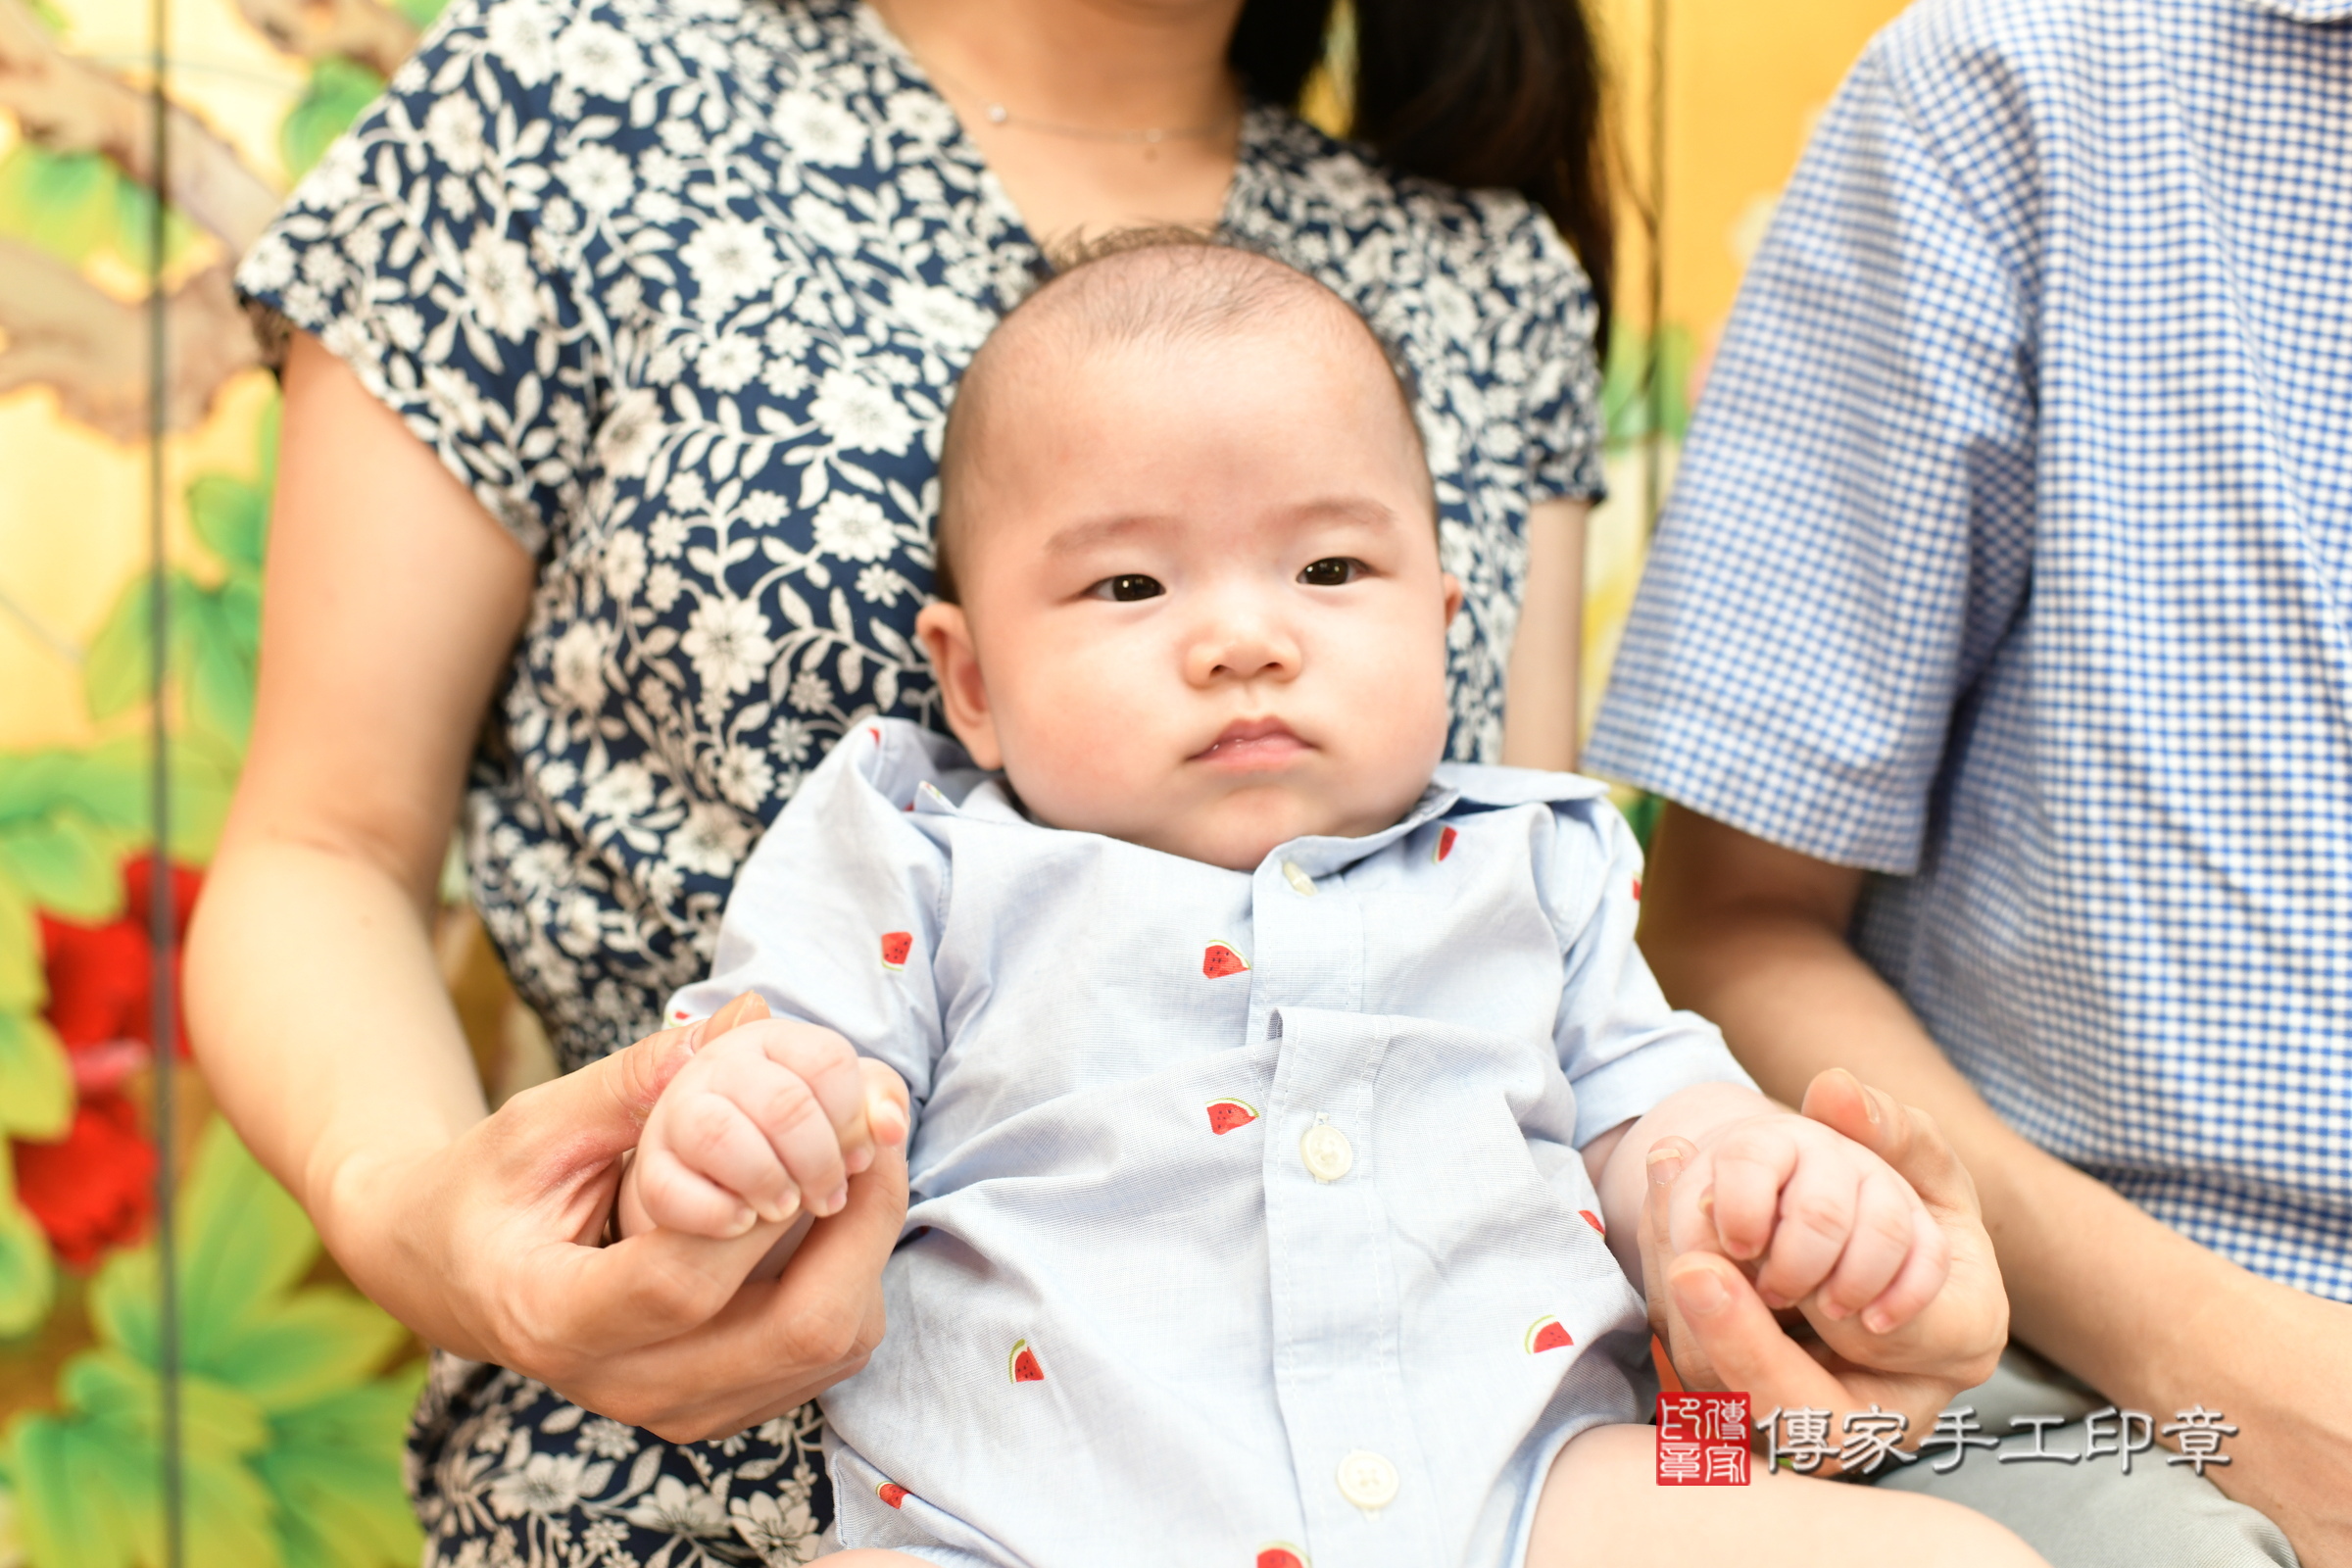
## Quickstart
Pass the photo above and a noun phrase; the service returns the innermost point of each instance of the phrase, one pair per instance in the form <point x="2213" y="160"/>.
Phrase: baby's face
<point x="1203" y="609"/>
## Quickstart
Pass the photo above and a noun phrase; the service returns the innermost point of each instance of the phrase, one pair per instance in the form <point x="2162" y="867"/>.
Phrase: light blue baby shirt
<point x="1247" y="1214"/>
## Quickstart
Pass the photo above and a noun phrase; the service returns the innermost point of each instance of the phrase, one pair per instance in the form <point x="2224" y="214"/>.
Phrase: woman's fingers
<point x="1905" y="1137"/>
<point x="771" y="1347"/>
<point x="887" y="1115"/>
<point x="1666" y="1160"/>
<point x="1741" y="1341"/>
<point x="566" y="1311"/>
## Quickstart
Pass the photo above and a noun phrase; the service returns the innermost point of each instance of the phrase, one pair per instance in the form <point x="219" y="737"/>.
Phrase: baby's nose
<point x="1247" y="647"/>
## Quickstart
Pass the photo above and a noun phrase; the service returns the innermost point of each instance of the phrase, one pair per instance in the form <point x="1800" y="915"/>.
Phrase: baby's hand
<point x="1811" y="1213"/>
<point x="768" y="1121"/>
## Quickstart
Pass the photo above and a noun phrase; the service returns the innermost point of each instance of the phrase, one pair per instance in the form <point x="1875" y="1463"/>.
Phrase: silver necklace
<point x="998" y="115"/>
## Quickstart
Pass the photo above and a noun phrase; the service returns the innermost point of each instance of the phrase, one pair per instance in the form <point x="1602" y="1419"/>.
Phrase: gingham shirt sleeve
<point x="836" y="915"/>
<point x="1622" y="1046"/>
<point x="1851" y="525"/>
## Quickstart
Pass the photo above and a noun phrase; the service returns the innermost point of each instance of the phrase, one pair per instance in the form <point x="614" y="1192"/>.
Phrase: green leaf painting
<point x="338" y="90"/>
<point x="291" y="1431"/>
<point x="215" y="631"/>
<point x="81" y="208"/>
<point x="37" y="1091"/>
<point x="27" y="1273"/>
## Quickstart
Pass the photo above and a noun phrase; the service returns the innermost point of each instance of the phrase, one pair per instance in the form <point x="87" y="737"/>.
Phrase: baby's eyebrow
<point x="1363" y="510"/>
<point x="1079" y="537"/>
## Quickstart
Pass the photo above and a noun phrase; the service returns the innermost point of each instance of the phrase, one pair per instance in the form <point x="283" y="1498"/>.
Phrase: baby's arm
<point x="767" y="1122"/>
<point x="1807" y="1211"/>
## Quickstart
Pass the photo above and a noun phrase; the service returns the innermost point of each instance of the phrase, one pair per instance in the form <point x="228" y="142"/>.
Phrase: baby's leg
<point x="1603" y="1509"/>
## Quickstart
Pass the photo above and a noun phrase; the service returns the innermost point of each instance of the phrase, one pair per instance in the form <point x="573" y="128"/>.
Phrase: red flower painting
<point x="95" y="1188"/>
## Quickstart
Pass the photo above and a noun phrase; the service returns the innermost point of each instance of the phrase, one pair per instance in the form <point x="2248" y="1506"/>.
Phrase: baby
<point x="1277" y="1096"/>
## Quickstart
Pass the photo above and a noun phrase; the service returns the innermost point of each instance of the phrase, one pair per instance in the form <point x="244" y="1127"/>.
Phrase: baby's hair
<point x="1203" y="286"/>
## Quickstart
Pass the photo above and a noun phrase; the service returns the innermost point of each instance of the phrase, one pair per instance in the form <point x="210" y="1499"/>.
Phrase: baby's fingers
<point x="828" y="1065"/>
<point x="712" y="1137"/>
<point x="1880" y="1243"/>
<point x="1752" y="1163"/>
<point x="788" y="1115"/>
<point x="1920" y="1280"/>
<point x="677" y="1197"/>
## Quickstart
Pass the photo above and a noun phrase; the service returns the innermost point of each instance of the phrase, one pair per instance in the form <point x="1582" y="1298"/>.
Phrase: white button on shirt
<point x="1326" y="1152"/>
<point x="1368" y="1480"/>
<point x="1234" y="1210"/>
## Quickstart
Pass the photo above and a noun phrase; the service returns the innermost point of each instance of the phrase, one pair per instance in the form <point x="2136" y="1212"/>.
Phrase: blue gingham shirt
<point x="1237" y="1196"/>
<point x="2009" y="559"/>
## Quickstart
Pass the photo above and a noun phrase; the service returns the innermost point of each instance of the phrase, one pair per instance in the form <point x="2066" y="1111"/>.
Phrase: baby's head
<point x="1188" y="559"/>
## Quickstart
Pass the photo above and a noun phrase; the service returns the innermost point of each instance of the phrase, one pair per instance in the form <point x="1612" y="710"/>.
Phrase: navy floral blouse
<point x="681" y="288"/>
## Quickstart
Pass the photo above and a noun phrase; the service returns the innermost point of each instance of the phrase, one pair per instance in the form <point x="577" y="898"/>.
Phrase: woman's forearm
<point x="322" y="1019"/>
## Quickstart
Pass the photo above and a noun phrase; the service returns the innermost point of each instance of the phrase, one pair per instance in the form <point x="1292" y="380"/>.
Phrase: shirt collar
<point x="1454" y="787"/>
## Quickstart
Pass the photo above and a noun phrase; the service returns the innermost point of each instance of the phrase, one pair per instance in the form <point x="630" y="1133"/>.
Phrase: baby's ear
<point x="947" y="635"/>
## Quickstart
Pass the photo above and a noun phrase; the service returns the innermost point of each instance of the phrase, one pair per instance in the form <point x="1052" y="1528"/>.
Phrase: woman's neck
<point x="1108" y="66"/>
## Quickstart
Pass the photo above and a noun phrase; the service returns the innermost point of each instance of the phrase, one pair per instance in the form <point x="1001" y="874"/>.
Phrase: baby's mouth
<point x="1250" y="744"/>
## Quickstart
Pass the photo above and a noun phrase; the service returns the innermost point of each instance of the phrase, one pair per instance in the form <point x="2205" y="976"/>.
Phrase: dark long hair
<point x="1494" y="93"/>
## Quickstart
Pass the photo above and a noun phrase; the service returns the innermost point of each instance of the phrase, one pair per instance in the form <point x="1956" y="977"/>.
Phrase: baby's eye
<point x="1129" y="586"/>
<point x="1332" y="571"/>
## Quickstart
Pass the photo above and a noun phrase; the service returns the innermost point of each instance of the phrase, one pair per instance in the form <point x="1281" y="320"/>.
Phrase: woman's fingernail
<point x="1870" y="1103"/>
<point x="1699" y="1293"/>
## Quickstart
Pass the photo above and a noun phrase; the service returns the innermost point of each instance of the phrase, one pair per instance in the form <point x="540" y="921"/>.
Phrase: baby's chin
<point x="1239" y="835"/>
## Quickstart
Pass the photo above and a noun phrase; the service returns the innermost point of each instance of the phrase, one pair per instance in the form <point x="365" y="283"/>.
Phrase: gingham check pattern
<point x="2009" y="559"/>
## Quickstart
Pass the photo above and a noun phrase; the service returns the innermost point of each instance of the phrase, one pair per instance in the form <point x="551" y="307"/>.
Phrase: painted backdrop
<point x="291" y="1389"/>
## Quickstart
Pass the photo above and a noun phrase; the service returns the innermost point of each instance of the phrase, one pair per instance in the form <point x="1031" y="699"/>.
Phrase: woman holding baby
<point x="618" y="341"/>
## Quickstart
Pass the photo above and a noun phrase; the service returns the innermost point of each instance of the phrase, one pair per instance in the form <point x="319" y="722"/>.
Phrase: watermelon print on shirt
<point x="1121" y="1288"/>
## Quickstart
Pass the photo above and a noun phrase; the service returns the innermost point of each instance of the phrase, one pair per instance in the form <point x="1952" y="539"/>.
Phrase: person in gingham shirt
<point x="1997" y="658"/>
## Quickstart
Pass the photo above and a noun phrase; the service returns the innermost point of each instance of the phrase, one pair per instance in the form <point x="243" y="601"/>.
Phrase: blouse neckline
<point x="1001" y="211"/>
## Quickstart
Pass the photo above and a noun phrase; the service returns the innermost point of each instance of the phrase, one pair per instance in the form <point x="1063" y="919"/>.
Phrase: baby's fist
<point x="768" y="1121"/>
<point x="1812" y="1214"/>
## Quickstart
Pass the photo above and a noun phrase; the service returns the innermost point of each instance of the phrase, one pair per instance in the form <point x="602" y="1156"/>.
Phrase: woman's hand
<point x="1720" y="1335"/>
<point x="489" y="1248"/>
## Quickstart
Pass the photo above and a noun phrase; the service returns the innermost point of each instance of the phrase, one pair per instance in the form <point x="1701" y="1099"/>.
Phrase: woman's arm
<point x="1753" y="936"/>
<point x="1540" y="725"/>
<point x="393" y="601"/>
<point x="393" y="604"/>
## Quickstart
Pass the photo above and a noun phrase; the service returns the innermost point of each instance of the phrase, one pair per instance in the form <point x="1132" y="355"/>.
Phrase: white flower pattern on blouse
<point x="681" y="289"/>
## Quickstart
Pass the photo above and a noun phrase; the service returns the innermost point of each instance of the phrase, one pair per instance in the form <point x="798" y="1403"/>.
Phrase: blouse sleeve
<point x="1553" y="334"/>
<point x="427" y="252"/>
